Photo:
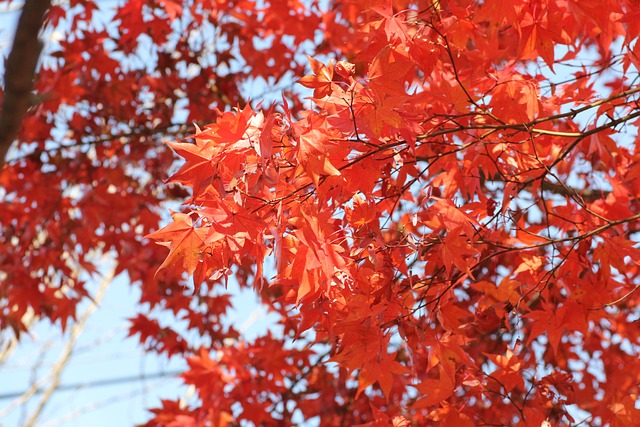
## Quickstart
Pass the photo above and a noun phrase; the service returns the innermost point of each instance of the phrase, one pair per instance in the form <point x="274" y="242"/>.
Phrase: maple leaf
<point x="152" y="335"/>
<point x="516" y="100"/>
<point x="199" y="169"/>
<point x="232" y="127"/>
<point x="185" y="243"/>
<point x="362" y="213"/>
<point x="389" y="71"/>
<point x="498" y="11"/>
<point x="183" y="421"/>
<point x="444" y="214"/>
<point x="508" y="372"/>
<point x="451" y="92"/>
<point x="434" y="391"/>
<point x="313" y="155"/>
<point x="381" y="371"/>
<point x="384" y="114"/>
<point x="395" y="27"/>
<point x="457" y="251"/>
<point x="322" y="80"/>
<point x="132" y="20"/>
<point x="553" y="321"/>
<point x="173" y="8"/>
<point x="384" y="420"/>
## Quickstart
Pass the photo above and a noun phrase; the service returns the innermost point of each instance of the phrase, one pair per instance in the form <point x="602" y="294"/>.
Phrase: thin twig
<point x="57" y="369"/>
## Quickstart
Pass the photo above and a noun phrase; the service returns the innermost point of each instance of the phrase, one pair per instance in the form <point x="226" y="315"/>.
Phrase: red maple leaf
<point x="185" y="243"/>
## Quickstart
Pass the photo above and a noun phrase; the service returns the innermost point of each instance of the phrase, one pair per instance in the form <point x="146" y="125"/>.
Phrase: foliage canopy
<point x="446" y="230"/>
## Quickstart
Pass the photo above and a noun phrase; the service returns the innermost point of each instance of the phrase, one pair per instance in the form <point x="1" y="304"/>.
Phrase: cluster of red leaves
<point x="452" y="228"/>
<point x="85" y="177"/>
<point x="451" y="232"/>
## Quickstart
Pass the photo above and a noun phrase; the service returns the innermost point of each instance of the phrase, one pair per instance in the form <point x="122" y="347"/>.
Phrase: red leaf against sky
<point x="185" y="243"/>
<point x="322" y="79"/>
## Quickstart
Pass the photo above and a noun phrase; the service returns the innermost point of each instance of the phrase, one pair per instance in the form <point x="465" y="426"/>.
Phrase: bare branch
<point x="8" y="346"/>
<point x="76" y="330"/>
<point x="56" y="371"/>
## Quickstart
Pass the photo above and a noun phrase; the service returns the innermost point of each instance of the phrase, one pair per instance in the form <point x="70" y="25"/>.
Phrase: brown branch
<point x="178" y="130"/>
<point x="19" y="71"/>
<point x="587" y="194"/>
<point x="587" y="133"/>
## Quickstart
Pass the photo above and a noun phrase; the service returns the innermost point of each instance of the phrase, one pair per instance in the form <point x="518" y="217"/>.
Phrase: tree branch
<point x="19" y="71"/>
<point x="8" y="346"/>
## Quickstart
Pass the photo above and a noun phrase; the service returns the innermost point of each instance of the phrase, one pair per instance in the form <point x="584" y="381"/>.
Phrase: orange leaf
<point x="321" y="80"/>
<point x="185" y="243"/>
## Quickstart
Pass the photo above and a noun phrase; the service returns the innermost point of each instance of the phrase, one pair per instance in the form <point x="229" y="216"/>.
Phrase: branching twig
<point x="8" y="347"/>
<point x="56" y="371"/>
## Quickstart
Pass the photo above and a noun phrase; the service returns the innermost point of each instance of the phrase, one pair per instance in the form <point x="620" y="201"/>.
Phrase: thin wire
<point x="99" y="383"/>
<point x="62" y="420"/>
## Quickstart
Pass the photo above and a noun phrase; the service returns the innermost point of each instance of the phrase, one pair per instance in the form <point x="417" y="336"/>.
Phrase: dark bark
<point x="19" y="72"/>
